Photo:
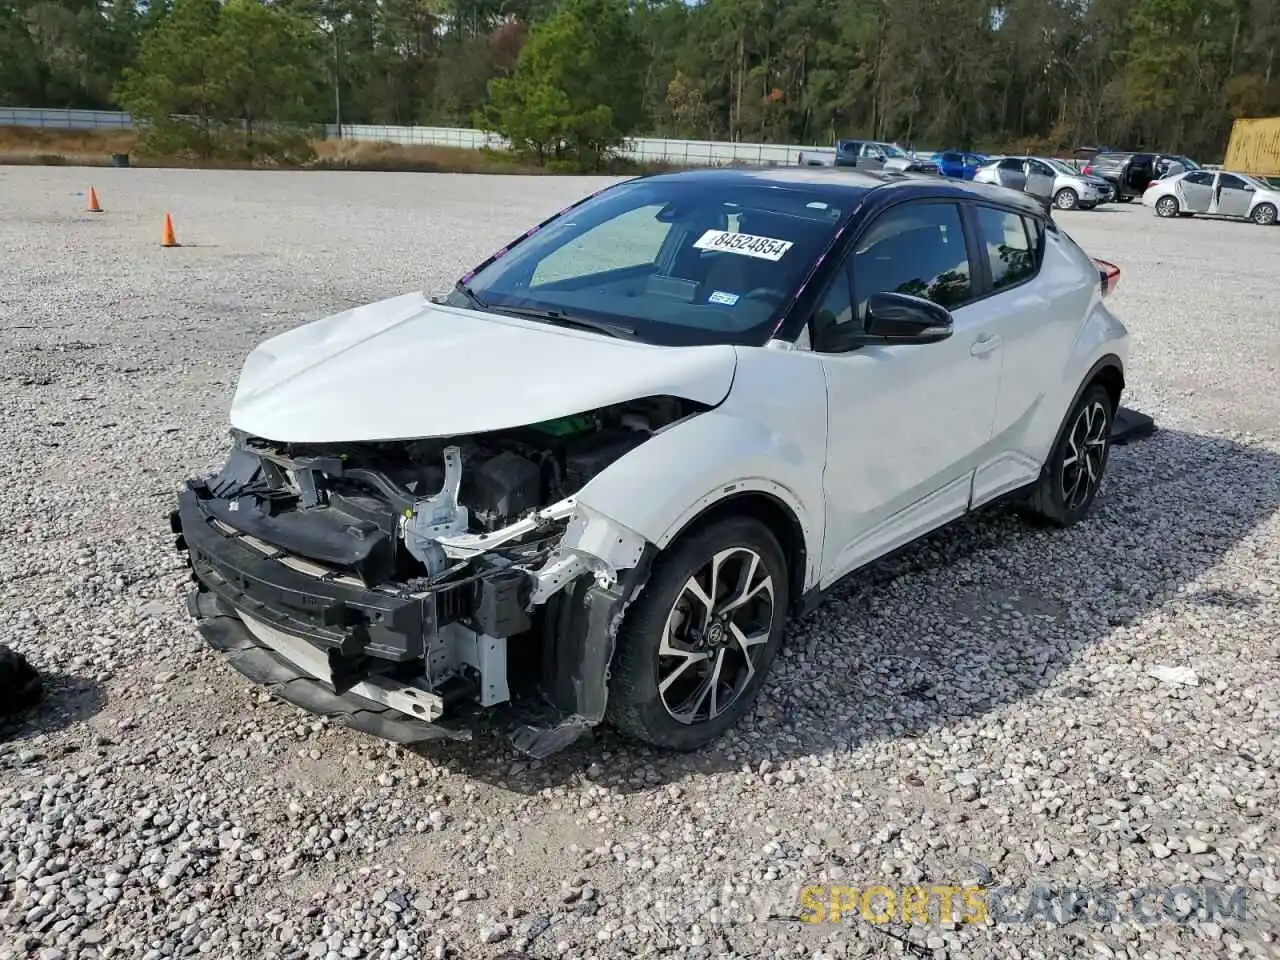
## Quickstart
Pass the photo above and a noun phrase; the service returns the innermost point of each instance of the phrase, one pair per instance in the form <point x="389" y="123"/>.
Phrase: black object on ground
<point x="1129" y="426"/>
<point x="20" y="685"/>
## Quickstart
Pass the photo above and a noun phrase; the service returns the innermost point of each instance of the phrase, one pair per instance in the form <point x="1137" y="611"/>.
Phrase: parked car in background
<point x="958" y="164"/>
<point x="1214" y="193"/>
<point x="1066" y="169"/>
<point x="866" y="155"/>
<point x="1128" y="173"/>
<point x="1054" y="183"/>
<point x="1172" y="164"/>
<point x="845" y="154"/>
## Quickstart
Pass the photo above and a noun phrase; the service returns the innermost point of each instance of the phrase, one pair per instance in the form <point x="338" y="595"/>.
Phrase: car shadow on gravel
<point x="972" y="618"/>
<point x="68" y="699"/>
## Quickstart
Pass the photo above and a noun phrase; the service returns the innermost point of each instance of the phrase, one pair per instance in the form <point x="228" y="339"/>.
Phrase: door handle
<point x="985" y="344"/>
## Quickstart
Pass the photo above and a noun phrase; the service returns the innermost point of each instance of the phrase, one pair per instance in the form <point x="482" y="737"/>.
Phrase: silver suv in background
<point x="1053" y="181"/>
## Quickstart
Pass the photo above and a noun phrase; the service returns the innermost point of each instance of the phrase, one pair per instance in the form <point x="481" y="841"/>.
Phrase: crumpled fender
<point x="754" y="442"/>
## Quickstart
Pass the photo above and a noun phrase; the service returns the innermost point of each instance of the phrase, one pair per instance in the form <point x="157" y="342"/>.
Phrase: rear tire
<point x="1071" y="477"/>
<point x="1167" y="206"/>
<point x="1264" y="215"/>
<point x="685" y="670"/>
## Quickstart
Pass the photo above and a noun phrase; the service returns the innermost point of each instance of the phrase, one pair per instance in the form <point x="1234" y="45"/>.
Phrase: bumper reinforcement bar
<point x="223" y="630"/>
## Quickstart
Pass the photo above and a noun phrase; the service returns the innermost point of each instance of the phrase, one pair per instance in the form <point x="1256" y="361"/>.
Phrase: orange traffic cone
<point x="167" y="239"/>
<point x="92" y="205"/>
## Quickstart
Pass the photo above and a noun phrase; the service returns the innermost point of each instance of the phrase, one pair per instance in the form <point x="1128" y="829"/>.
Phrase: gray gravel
<point x="979" y="711"/>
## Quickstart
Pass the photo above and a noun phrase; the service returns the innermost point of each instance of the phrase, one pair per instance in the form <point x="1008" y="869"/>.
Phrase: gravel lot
<point x="978" y="711"/>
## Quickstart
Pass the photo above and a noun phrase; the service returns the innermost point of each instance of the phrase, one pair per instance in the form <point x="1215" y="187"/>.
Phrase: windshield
<point x="667" y="261"/>
<point x="1256" y="183"/>
<point x="892" y="150"/>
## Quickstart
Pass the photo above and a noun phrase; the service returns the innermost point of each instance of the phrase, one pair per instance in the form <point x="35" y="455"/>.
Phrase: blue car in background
<point x="959" y="164"/>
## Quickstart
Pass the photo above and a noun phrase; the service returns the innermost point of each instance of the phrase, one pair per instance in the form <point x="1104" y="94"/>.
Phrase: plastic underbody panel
<point x="224" y="630"/>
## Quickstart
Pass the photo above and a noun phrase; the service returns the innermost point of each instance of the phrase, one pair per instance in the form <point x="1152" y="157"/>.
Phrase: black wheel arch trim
<point x="1108" y="362"/>
<point x="795" y="548"/>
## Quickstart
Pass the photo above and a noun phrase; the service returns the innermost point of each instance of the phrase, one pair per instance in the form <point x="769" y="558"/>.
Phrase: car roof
<point x="859" y="184"/>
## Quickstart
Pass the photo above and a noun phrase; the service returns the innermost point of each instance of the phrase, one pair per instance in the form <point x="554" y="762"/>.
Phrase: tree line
<point x="576" y="76"/>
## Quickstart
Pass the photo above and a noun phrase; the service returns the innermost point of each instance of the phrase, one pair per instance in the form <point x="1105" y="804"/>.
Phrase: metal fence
<point x="64" y="119"/>
<point x="647" y="149"/>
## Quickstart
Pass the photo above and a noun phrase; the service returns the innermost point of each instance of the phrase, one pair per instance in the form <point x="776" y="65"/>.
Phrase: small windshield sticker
<point x="745" y="244"/>
<point x="721" y="296"/>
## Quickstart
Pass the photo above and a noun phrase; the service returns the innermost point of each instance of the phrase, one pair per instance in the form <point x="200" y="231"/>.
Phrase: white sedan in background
<point x="1214" y="193"/>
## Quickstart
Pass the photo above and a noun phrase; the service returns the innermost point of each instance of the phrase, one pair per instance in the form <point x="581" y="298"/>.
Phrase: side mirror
<point x="892" y="319"/>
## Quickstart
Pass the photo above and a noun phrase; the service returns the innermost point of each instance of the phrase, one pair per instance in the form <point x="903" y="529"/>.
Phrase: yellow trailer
<point x="1254" y="147"/>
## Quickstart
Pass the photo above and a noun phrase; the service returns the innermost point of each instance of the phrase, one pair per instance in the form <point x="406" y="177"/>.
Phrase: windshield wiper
<point x="566" y="320"/>
<point x="471" y="296"/>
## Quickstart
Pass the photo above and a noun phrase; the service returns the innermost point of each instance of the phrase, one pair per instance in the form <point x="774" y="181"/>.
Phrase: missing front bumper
<point x="409" y="667"/>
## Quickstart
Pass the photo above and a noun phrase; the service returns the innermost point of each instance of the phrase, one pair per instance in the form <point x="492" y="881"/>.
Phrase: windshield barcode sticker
<point x="746" y="244"/>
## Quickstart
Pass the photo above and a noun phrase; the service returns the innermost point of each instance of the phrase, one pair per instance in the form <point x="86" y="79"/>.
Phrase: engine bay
<point x="385" y="512"/>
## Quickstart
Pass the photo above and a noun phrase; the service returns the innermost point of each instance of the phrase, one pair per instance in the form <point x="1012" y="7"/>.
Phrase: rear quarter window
<point x="1011" y="252"/>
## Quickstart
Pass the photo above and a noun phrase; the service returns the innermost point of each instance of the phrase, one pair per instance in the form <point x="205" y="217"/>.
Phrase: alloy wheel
<point x="1167" y="206"/>
<point x="1085" y="454"/>
<point x="1265" y="215"/>
<point x="715" y="635"/>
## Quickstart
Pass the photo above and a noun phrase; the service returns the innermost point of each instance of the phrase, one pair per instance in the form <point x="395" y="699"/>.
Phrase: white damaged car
<point x="594" y="482"/>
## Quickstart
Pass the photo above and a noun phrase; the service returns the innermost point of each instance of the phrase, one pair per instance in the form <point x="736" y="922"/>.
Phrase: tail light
<point x="1108" y="274"/>
<point x="1087" y="170"/>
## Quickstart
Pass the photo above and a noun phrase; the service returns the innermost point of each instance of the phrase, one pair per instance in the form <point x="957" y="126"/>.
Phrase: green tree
<point x="171" y="88"/>
<point x="577" y="85"/>
<point x="210" y="73"/>
<point x="262" y="62"/>
<point x="577" y="76"/>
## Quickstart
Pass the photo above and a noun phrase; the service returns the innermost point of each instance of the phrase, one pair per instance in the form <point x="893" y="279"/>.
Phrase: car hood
<point x="407" y="368"/>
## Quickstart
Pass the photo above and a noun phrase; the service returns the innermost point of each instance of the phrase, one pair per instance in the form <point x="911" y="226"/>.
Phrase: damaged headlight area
<point x="406" y="586"/>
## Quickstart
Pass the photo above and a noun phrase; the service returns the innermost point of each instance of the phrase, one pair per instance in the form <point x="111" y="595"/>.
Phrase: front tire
<point x="1073" y="474"/>
<point x="1264" y="215"/>
<point x="1167" y="206"/>
<point x="1066" y="199"/>
<point x="696" y="645"/>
